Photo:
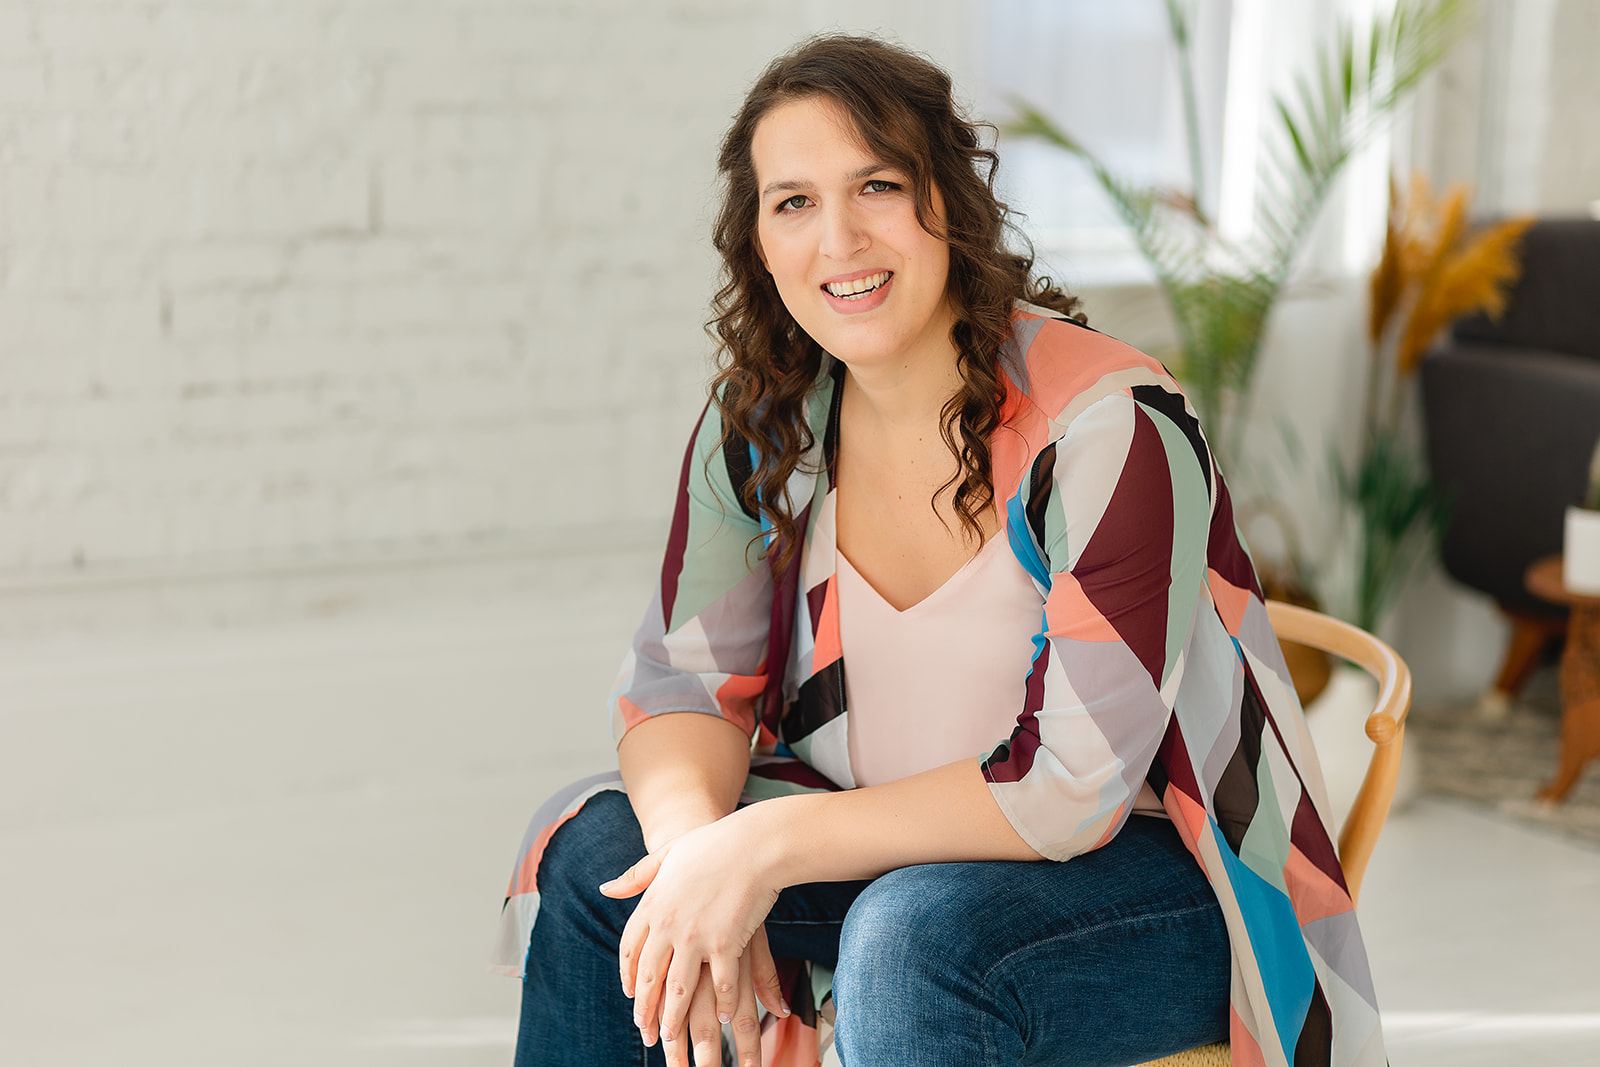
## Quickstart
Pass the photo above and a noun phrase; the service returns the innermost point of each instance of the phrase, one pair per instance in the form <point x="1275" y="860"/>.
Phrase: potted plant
<point x="1434" y="269"/>
<point x="1581" y="550"/>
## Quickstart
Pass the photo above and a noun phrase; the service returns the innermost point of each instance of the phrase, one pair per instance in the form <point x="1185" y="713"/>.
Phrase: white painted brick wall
<point x="291" y="277"/>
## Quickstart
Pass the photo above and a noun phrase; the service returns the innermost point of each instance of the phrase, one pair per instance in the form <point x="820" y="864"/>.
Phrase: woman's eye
<point x="794" y="203"/>
<point x="878" y="185"/>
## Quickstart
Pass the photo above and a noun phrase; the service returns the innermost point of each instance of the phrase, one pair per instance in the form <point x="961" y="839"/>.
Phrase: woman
<point x="1011" y="527"/>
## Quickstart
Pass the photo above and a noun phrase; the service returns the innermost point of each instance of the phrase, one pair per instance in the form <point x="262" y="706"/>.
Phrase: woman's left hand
<point x="705" y="896"/>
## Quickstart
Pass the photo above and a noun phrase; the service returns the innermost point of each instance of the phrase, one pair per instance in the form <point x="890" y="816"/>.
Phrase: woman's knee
<point x="904" y="930"/>
<point x="910" y="963"/>
<point x="594" y="845"/>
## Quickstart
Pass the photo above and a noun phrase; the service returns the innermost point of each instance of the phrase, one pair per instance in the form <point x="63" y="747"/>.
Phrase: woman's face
<point x="838" y="231"/>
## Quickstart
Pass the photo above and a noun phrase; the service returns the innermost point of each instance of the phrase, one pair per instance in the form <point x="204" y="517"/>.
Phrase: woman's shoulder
<point x="1061" y="366"/>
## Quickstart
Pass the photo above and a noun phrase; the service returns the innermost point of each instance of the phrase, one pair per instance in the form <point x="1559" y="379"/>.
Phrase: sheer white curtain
<point x="1108" y="74"/>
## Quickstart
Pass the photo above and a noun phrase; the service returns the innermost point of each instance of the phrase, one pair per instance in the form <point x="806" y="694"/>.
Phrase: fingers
<point x="724" y="978"/>
<point x="702" y="1035"/>
<point x="655" y="960"/>
<point x="634" y="880"/>
<point x="629" y="883"/>
<point x="705" y="1032"/>
<point x="746" y="1019"/>
<point x="682" y="981"/>
<point x="634" y="937"/>
<point x="674" y="1050"/>
<point x="764" y="973"/>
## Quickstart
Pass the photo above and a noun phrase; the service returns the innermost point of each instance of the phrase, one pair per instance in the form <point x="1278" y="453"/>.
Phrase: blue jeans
<point x="1115" y="957"/>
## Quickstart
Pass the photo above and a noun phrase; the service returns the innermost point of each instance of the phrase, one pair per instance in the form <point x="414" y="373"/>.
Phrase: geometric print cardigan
<point x="1154" y="661"/>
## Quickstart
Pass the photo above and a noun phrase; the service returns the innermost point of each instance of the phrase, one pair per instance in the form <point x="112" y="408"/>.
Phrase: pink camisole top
<point x="944" y="679"/>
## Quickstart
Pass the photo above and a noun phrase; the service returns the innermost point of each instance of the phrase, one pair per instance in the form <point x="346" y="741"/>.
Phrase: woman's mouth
<point x="858" y="289"/>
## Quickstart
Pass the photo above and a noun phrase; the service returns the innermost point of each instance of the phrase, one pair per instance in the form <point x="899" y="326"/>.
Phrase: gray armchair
<point x="1512" y="411"/>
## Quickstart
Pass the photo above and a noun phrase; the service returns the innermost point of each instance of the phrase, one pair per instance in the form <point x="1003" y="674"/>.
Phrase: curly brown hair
<point x="901" y="107"/>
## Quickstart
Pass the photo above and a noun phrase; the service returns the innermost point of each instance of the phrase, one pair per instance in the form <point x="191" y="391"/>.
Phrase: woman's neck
<point x="906" y="397"/>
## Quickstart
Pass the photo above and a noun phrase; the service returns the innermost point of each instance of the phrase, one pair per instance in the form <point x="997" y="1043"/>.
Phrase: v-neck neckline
<point x="955" y="578"/>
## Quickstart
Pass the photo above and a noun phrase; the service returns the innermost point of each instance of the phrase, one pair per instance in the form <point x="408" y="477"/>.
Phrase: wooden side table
<point x="1580" y="675"/>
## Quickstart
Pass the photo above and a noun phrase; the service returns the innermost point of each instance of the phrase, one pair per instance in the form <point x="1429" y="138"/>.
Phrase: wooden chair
<point x="1386" y="726"/>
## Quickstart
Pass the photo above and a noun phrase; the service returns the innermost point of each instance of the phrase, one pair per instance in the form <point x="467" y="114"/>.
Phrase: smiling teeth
<point x="858" y="288"/>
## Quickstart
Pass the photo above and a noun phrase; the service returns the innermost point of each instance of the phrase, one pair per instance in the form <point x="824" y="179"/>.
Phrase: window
<point x="1107" y="73"/>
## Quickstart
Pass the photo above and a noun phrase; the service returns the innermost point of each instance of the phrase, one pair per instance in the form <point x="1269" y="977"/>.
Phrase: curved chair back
<point x="1386" y="724"/>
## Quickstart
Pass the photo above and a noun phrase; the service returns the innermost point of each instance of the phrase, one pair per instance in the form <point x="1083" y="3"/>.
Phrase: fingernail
<point x="724" y="1018"/>
<point x="638" y="1019"/>
<point x="667" y="1035"/>
<point x="607" y="885"/>
<point x="786" y="1007"/>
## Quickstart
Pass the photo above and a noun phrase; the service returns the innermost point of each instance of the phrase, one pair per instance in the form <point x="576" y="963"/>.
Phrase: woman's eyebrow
<point x="796" y="185"/>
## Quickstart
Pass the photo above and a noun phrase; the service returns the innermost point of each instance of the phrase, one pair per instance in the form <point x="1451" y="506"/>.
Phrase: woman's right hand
<point x="757" y="979"/>
<point x="684" y="772"/>
<point x="704" y="1026"/>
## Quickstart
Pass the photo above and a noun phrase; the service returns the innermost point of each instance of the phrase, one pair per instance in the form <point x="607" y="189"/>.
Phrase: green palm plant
<point x="1221" y="291"/>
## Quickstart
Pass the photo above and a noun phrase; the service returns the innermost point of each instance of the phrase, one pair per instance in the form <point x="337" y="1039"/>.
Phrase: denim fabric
<point x="1115" y="957"/>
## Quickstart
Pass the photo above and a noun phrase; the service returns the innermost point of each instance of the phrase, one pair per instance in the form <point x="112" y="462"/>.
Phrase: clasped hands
<point x="694" y="954"/>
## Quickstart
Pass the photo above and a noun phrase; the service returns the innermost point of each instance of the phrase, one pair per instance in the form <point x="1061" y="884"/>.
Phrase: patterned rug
<point x="1501" y="764"/>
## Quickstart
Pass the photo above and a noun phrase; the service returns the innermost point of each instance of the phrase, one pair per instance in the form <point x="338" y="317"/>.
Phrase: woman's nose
<point x="843" y="232"/>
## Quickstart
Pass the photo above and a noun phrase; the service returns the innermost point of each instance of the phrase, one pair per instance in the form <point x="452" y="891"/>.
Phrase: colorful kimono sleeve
<point x="1112" y="521"/>
<point x="703" y="643"/>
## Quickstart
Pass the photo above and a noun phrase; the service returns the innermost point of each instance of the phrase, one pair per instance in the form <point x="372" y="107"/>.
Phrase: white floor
<point x="287" y="844"/>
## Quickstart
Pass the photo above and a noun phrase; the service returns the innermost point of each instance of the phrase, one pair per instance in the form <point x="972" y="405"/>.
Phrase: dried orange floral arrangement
<point x="1434" y="270"/>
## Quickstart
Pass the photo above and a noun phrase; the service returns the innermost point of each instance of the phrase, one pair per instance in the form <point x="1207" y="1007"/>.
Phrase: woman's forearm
<point x="682" y="770"/>
<point x="942" y="815"/>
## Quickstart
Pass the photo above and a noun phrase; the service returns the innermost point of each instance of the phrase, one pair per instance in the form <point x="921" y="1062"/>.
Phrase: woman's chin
<point x="859" y="352"/>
